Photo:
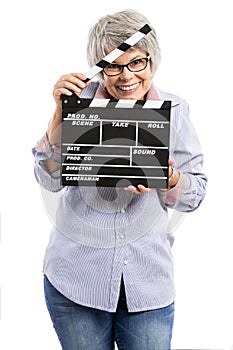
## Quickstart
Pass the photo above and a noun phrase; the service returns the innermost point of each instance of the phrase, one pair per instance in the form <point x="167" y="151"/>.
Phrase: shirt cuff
<point x="45" y="150"/>
<point x="172" y="196"/>
<point x="43" y="146"/>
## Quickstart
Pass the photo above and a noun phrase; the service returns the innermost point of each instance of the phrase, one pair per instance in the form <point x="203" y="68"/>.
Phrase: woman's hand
<point x="173" y="178"/>
<point x="140" y="189"/>
<point x="66" y="85"/>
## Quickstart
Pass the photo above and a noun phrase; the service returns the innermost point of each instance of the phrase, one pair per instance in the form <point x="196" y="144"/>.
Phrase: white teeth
<point x="127" y="88"/>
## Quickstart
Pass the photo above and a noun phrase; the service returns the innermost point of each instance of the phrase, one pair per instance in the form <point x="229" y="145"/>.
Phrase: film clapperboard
<point x="107" y="142"/>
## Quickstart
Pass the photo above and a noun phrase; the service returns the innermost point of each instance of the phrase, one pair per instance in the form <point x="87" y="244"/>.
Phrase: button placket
<point x="120" y="230"/>
<point x="117" y="270"/>
<point x="121" y="221"/>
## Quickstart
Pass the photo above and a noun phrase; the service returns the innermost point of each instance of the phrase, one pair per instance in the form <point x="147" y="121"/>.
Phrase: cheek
<point x="148" y="76"/>
<point x="145" y="77"/>
<point x="109" y="82"/>
<point x="146" y="82"/>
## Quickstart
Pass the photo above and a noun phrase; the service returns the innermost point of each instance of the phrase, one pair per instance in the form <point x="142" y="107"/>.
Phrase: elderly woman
<point x="108" y="269"/>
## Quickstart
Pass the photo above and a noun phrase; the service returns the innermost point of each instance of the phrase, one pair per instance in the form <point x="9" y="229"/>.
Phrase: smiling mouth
<point x="128" y="87"/>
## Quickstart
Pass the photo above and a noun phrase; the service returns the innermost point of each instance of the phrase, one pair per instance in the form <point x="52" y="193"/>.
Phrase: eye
<point x="137" y="62"/>
<point x="113" y="66"/>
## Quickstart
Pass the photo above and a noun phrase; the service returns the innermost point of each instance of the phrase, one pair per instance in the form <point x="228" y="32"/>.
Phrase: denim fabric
<point x="83" y="328"/>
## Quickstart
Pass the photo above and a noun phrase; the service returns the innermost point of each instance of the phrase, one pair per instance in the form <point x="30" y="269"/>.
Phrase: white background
<point x="42" y="40"/>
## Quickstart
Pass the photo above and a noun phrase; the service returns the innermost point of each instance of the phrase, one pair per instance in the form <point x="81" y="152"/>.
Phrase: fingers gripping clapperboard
<point x="108" y="142"/>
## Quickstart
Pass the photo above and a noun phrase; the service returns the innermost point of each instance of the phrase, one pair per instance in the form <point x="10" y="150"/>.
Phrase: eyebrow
<point x="138" y="56"/>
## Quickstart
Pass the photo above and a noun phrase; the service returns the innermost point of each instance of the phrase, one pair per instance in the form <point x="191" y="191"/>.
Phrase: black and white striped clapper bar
<point x="114" y="143"/>
<point x="117" y="52"/>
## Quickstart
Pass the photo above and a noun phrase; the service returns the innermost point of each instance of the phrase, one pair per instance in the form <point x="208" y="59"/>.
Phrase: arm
<point x="44" y="152"/>
<point x="47" y="150"/>
<point x="189" y="191"/>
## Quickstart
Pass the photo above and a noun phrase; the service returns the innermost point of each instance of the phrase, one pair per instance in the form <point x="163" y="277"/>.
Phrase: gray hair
<point x="112" y="30"/>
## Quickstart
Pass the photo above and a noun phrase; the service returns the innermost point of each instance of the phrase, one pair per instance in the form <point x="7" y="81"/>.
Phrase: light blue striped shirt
<point x="103" y="233"/>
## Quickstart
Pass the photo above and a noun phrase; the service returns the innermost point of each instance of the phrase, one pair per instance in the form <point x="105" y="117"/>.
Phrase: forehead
<point x="130" y="55"/>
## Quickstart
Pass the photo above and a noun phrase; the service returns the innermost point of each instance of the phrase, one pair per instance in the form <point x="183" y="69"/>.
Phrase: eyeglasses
<point x="136" y="65"/>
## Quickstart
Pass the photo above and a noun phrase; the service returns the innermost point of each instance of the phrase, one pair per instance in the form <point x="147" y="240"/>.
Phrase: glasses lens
<point x="112" y="69"/>
<point x="138" y="64"/>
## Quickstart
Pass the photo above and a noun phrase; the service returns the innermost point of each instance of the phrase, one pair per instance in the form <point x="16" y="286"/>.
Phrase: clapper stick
<point x="113" y="55"/>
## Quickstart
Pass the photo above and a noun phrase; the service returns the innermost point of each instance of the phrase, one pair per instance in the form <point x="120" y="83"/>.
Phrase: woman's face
<point x="129" y="85"/>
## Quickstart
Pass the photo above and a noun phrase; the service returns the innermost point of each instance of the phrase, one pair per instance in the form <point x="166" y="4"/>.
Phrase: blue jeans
<point x="83" y="328"/>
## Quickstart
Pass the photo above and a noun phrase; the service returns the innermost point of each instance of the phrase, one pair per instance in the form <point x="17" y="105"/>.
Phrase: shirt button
<point x="121" y="235"/>
<point x="125" y="262"/>
<point x="122" y="210"/>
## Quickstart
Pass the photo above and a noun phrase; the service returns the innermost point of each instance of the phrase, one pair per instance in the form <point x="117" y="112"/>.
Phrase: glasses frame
<point x="122" y="66"/>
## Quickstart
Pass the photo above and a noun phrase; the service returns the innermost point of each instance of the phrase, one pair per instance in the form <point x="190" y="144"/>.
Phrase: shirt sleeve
<point x="186" y="151"/>
<point x="43" y="151"/>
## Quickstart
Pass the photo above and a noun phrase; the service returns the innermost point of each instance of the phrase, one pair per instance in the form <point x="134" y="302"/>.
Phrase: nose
<point x="126" y="74"/>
